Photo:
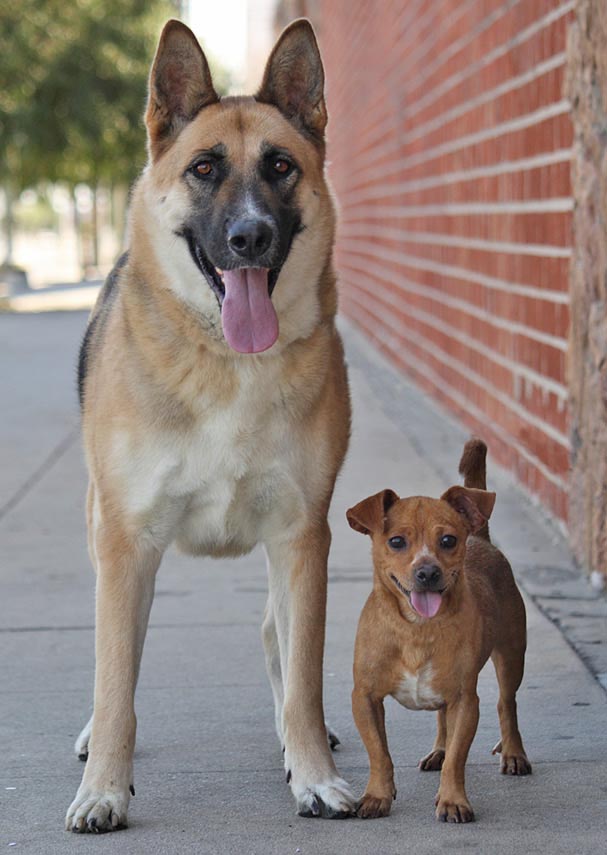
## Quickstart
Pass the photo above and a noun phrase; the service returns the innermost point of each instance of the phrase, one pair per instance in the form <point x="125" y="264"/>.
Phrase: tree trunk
<point x="9" y="223"/>
<point x="78" y="230"/>
<point x="95" y="227"/>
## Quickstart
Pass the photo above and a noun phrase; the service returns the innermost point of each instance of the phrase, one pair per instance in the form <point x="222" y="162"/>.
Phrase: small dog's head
<point x="419" y="544"/>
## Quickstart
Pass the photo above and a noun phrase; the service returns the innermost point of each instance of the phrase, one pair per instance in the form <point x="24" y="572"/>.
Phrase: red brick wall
<point x="450" y="142"/>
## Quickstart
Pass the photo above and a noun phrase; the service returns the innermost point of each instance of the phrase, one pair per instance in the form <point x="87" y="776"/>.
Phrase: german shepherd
<point x="214" y="396"/>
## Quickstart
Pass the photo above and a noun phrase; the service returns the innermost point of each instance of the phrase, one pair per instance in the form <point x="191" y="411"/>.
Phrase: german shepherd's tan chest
<point x="238" y="475"/>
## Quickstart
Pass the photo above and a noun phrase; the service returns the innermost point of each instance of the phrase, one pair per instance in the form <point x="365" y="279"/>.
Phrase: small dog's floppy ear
<point x="475" y="505"/>
<point x="370" y="514"/>
<point x="180" y="86"/>
<point x="294" y="80"/>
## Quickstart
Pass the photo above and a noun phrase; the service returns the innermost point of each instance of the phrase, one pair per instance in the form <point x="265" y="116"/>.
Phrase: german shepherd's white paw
<point x="331" y="799"/>
<point x="97" y="811"/>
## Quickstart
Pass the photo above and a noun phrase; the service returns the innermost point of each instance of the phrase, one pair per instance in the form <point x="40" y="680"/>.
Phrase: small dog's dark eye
<point x="203" y="168"/>
<point x="283" y="167"/>
<point x="397" y="543"/>
<point x="448" y="541"/>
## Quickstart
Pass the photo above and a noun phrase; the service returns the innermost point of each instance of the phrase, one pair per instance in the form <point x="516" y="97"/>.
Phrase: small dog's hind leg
<point x="433" y="762"/>
<point x="509" y="665"/>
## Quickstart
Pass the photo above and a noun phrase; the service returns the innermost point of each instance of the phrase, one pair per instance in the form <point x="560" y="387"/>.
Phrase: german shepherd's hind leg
<point x="272" y="655"/>
<point x="297" y="572"/>
<point x="509" y="664"/>
<point x="126" y="570"/>
<point x="81" y="746"/>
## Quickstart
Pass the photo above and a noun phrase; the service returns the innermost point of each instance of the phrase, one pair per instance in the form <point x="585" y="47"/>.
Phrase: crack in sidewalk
<point x="38" y="474"/>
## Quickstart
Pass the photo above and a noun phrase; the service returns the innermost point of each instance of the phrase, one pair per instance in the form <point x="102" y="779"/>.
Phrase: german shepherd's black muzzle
<point x="240" y="256"/>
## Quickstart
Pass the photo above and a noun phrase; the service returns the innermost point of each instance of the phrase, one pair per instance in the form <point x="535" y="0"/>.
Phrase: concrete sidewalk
<point x="209" y="776"/>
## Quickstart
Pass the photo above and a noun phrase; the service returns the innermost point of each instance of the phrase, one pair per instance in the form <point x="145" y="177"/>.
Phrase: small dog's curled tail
<point x="473" y="469"/>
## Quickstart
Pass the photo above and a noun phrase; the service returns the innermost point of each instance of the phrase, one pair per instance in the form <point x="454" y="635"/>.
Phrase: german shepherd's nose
<point x="249" y="238"/>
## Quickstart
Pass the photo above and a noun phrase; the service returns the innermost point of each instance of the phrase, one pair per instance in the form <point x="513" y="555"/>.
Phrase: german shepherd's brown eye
<point x="203" y="168"/>
<point x="448" y="541"/>
<point x="283" y="167"/>
<point x="397" y="543"/>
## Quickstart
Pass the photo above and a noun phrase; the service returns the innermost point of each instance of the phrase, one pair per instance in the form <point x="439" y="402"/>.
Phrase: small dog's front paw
<point x="454" y="810"/>
<point x="513" y="763"/>
<point x="433" y="762"/>
<point x="97" y="811"/>
<point x="372" y="807"/>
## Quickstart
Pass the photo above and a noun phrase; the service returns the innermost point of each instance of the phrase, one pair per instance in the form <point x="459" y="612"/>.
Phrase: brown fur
<point x="161" y="385"/>
<point x="481" y="615"/>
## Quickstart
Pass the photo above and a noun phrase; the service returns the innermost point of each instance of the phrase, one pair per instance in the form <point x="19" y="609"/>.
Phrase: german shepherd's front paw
<point x="97" y="811"/>
<point x="512" y="762"/>
<point x="432" y="762"/>
<point x="456" y="809"/>
<point x="372" y="807"/>
<point x="331" y="799"/>
<point x="315" y="782"/>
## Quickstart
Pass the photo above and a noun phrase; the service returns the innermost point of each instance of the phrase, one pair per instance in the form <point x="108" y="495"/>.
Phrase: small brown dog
<point x="444" y="599"/>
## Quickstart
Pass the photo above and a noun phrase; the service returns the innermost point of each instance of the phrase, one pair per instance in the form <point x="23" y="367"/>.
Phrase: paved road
<point x="208" y="767"/>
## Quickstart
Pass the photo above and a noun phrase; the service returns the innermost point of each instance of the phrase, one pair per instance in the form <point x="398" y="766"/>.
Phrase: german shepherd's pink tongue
<point x="425" y="603"/>
<point x="248" y="317"/>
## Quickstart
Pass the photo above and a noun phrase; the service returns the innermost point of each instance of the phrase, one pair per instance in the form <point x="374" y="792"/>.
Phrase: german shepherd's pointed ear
<point x="369" y="515"/>
<point x="180" y="86"/>
<point x="474" y="505"/>
<point x="294" y="80"/>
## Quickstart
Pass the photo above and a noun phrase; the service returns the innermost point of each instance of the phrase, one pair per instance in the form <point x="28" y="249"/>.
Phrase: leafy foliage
<point x="73" y="79"/>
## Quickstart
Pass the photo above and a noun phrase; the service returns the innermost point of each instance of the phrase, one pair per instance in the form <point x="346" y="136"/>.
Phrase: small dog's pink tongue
<point x="425" y="603"/>
<point x="248" y="318"/>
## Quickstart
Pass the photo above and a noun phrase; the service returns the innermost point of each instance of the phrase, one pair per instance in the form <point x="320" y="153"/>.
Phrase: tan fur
<point x="433" y="663"/>
<point x="162" y="386"/>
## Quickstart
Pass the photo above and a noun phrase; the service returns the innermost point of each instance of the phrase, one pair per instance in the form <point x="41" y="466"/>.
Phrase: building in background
<point x="468" y="150"/>
<point x="238" y="33"/>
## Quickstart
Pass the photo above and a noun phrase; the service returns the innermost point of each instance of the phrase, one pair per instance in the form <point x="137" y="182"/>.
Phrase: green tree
<point x="73" y="82"/>
<point x="73" y="87"/>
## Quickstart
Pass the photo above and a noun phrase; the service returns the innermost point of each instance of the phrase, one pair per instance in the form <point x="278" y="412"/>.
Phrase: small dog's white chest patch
<point x="415" y="691"/>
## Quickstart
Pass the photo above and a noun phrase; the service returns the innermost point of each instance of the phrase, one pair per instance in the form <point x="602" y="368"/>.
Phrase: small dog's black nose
<point x="428" y="575"/>
<point x="249" y="238"/>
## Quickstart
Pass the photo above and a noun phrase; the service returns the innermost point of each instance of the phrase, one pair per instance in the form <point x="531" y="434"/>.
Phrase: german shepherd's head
<point x="233" y="204"/>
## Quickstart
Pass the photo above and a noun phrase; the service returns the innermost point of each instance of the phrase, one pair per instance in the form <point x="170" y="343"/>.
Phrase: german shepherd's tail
<point x="472" y="467"/>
